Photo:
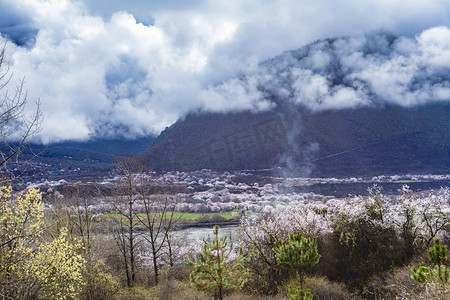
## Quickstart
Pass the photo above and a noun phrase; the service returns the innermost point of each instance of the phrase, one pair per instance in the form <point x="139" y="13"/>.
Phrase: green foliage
<point x="438" y="253"/>
<point x="298" y="253"/>
<point x="213" y="272"/>
<point x="265" y="274"/>
<point x="438" y="272"/>
<point x="296" y="294"/>
<point x="421" y="273"/>
<point x="429" y="274"/>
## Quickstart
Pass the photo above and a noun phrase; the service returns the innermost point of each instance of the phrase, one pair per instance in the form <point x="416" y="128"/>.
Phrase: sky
<point x="110" y="68"/>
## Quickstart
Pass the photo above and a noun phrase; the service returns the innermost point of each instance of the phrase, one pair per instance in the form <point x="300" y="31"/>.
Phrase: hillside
<point x="350" y="142"/>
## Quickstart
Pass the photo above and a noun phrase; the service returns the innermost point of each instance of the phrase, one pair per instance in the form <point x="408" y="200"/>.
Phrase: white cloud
<point x="372" y="70"/>
<point x="99" y="71"/>
<point x="434" y="45"/>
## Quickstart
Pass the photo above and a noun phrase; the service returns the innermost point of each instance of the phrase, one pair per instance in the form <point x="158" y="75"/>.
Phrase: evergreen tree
<point x="297" y="254"/>
<point x="438" y="253"/>
<point x="213" y="270"/>
<point x="438" y="272"/>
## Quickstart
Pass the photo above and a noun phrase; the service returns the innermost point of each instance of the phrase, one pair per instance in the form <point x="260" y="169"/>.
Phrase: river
<point x="348" y="189"/>
<point x="194" y="234"/>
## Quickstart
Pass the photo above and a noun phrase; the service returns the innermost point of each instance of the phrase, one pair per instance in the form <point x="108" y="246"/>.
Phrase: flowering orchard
<point x="358" y="238"/>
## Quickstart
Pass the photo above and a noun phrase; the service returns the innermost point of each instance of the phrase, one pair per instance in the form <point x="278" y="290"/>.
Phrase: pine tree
<point x="213" y="270"/>
<point x="438" y="272"/>
<point x="297" y="254"/>
<point x="438" y="253"/>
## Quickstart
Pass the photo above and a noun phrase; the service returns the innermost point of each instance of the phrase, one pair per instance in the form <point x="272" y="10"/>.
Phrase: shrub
<point x="323" y="289"/>
<point x="364" y="241"/>
<point x="393" y="284"/>
<point x="99" y="284"/>
<point x="137" y="292"/>
<point x="31" y="267"/>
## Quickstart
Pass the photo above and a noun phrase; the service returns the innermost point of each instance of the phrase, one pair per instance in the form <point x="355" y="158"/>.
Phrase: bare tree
<point x="157" y="216"/>
<point x="125" y="229"/>
<point x="16" y="125"/>
<point x="81" y="220"/>
<point x="159" y="220"/>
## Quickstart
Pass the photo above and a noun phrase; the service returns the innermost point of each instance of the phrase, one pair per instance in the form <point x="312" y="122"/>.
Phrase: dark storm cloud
<point x="16" y="25"/>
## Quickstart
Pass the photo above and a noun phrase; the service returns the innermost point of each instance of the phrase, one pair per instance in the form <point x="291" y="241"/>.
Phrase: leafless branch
<point x="17" y="126"/>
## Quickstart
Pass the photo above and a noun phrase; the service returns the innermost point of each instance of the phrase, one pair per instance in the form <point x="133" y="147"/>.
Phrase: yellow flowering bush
<point x="58" y="267"/>
<point x="29" y="266"/>
<point x="22" y="221"/>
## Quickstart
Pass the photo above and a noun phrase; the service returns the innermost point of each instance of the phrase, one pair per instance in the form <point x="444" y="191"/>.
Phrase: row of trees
<point x="58" y="262"/>
<point x="52" y="253"/>
<point x="159" y="220"/>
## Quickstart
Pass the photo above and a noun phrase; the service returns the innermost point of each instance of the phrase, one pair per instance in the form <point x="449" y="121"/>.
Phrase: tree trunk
<point x="127" y="271"/>
<point x="219" y="270"/>
<point x="155" y="261"/>
<point x="155" y="266"/>
<point x="131" y="242"/>
<point x="301" y="285"/>
<point x="170" y="250"/>
<point x="220" y="292"/>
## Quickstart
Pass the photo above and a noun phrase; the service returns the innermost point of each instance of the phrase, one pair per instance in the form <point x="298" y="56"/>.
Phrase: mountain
<point x="95" y="153"/>
<point x="339" y="107"/>
<point x="349" y="142"/>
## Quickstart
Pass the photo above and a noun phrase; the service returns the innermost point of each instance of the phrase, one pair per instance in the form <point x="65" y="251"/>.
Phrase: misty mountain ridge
<point x="97" y="152"/>
<point x="350" y="72"/>
<point x="370" y="105"/>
